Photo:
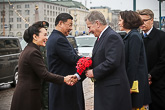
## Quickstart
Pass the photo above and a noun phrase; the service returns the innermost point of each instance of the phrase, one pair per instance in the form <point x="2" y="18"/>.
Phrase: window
<point x="48" y="12"/>
<point x="26" y="25"/>
<point x="2" y="20"/>
<point x="2" y="13"/>
<point x="9" y="46"/>
<point x="45" y="19"/>
<point x="10" y="19"/>
<point x="11" y="13"/>
<point x="48" y="6"/>
<point x="18" y="19"/>
<point x="18" y="6"/>
<point x="18" y="26"/>
<point x="27" y="12"/>
<point x="26" y="5"/>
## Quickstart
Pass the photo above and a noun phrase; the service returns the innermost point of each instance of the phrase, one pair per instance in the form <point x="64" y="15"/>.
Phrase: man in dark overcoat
<point x="154" y="41"/>
<point x="111" y="86"/>
<point x="62" y="59"/>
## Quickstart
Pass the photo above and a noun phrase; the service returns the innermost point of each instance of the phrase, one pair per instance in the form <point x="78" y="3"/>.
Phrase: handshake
<point x="70" y="80"/>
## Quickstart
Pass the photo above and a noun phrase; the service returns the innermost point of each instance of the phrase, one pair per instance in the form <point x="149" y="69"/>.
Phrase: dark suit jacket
<point x="155" y="51"/>
<point x="62" y="60"/>
<point x="111" y="88"/>
<point x="27" y="95"/>
<point x="136" y="67"/>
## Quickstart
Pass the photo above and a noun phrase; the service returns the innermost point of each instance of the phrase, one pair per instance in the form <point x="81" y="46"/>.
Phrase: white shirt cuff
<point x="78" y="77"/>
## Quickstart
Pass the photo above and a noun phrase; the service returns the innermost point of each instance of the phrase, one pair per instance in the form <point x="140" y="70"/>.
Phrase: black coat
<point x="136" y="67"/>
<point x="155" y="52"/>
<point x="111" y="88"/>
<point x="62" y="60"/>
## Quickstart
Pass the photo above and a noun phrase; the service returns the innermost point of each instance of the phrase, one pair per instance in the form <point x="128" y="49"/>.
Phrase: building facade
<point x="18" y="15"/>
<point x="78" y="12"/>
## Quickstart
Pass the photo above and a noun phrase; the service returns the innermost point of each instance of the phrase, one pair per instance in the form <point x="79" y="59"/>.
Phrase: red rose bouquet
<point x="83" y="64"/>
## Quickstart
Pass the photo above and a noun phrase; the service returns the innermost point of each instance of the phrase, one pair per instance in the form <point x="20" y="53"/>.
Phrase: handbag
<point x="135" y="87"/>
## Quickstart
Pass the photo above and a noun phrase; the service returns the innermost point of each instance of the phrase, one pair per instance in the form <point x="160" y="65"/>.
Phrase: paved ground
<point x="88" y="93"/>
<point x="6" y="93"/>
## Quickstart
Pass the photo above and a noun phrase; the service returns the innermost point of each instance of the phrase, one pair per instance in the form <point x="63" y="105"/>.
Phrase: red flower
<point x="83" y="64"/>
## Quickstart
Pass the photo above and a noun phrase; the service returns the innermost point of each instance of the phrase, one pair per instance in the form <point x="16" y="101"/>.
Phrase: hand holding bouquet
<point x="83" y="64"/>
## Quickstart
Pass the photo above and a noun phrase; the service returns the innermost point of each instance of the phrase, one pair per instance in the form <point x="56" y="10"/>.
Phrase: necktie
<point x="97" y="39"/>
<point x="145" y="35"/>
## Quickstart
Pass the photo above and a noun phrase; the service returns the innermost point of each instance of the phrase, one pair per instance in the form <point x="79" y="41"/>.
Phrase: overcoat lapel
<point x="98" y="43"/>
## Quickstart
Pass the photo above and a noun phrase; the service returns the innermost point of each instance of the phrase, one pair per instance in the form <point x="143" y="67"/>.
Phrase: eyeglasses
<point x="145" y="20"/>
<point x="70" y="25"/>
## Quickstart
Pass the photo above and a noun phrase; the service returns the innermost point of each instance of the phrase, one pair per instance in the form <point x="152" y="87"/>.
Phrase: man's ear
<point x="97" y="23"/>
<point x="60" y="23"/>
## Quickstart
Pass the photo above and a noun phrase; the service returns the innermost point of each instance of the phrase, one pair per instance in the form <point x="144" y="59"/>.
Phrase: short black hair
<point x="63" y="17"/>
<point x="34" y="29"/>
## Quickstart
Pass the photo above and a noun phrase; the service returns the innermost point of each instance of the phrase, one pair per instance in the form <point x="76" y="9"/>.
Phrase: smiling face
<point x="121" y="23"/>
<point x="41" y="39"/>
<point x="66" y="27"/>
<point x="148" y="23"/>
<point x="93" y="28"/>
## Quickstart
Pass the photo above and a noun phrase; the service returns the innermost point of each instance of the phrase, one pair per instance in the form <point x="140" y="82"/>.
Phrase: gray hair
<point x="96" y="15"/>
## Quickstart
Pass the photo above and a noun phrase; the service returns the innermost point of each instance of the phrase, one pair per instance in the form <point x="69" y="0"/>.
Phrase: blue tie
<point x="145" y="35"/>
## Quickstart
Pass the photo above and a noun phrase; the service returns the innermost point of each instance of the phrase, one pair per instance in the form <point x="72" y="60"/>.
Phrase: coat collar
<point x="56" y="31"/>
<point x="133" y="30"/>
<point x="97" y="44"/>
<point x="152" y="33"/>
<point x="34" y="45"/>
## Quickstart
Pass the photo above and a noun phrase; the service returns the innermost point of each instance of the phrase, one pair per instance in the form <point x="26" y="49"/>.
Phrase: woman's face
<point x="121" y="24"/>
<point x="41" y="39"/>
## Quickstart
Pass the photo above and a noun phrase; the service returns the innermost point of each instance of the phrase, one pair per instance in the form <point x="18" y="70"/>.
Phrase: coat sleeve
<point x="134" y="48"/>
<point x="113" y="52"/>
<point x="66" y="52"/>
<point x="38" y="66"/>
<point x="159" y="69"/>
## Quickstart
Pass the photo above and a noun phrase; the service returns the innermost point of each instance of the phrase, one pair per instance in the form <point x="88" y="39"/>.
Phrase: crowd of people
<point x="116" y="64"/>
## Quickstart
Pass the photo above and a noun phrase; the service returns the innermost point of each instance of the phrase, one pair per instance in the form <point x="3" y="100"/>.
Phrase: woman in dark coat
<point x="27" y="95"/>
<point x="135" y="56"/>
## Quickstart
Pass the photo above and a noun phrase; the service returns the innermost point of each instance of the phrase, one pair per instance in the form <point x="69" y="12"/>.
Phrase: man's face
<point x="148" y="23"/>
<point x="66" y="27"/>
<point x="93" y="28"/>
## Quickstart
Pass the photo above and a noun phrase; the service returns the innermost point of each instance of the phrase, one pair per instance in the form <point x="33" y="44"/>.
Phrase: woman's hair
<point x="34" y="29"/>
<point x="131" y="19"/>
